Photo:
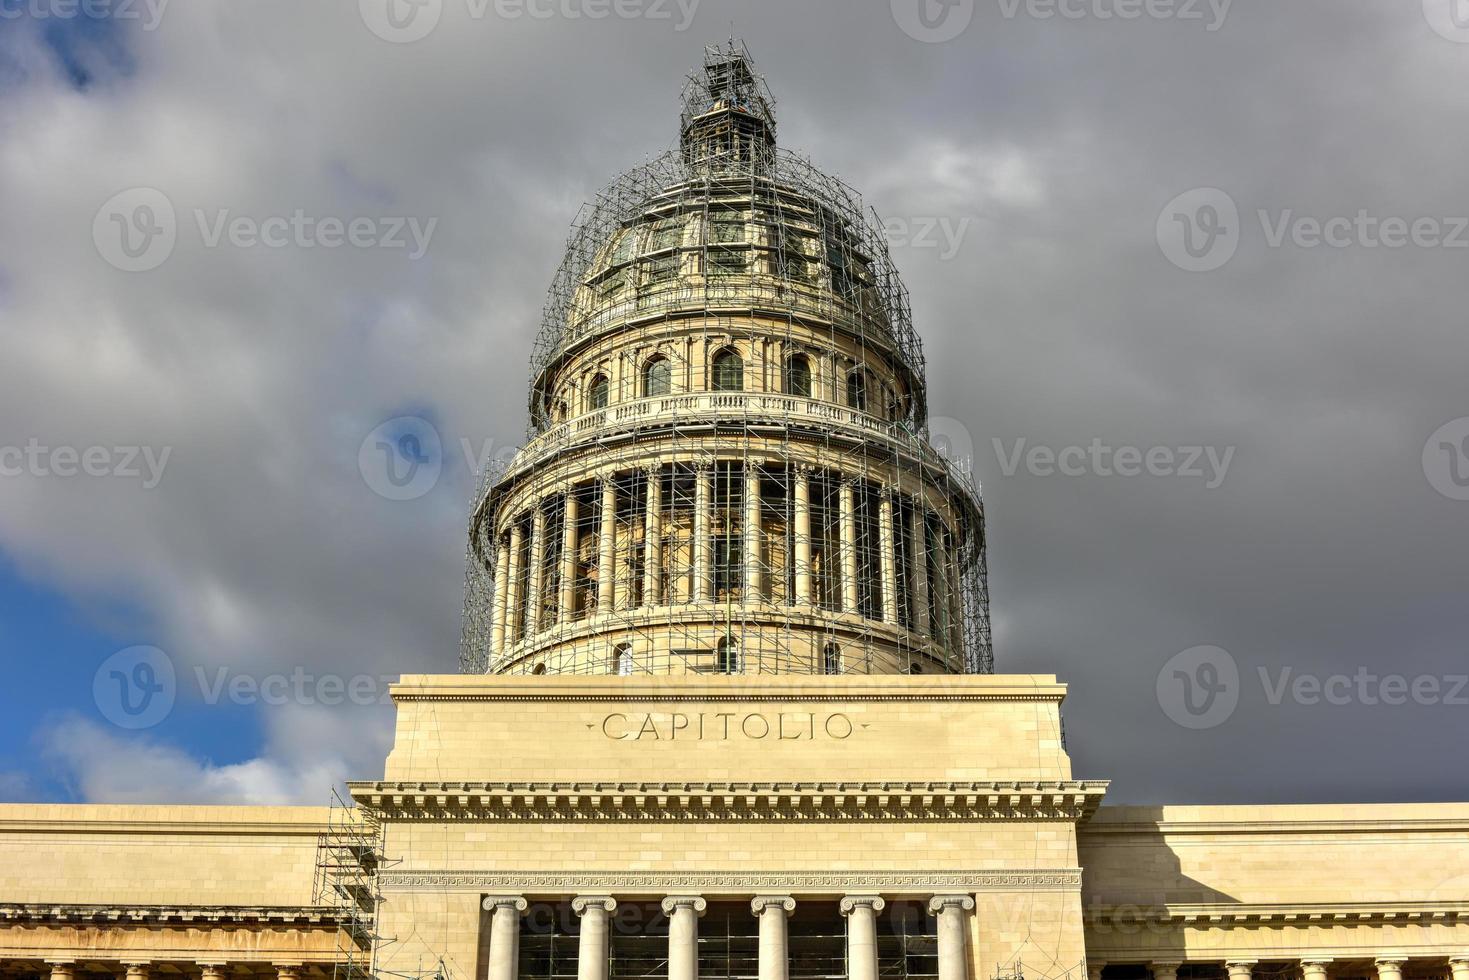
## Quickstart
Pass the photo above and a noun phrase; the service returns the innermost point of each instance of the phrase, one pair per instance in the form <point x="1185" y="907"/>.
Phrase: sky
<point x="1190" y="278"/>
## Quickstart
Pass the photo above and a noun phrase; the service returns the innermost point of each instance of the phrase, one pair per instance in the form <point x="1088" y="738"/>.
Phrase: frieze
<point x="917" y="882"/>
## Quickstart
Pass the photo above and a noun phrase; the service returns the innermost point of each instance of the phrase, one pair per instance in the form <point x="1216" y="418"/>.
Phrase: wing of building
<point x="728" y="708"/>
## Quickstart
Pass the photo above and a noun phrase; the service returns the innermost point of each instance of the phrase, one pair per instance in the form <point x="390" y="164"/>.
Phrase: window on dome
<point x="727" y="657"/>
<point x="657" y="377"/>
<point x="831" y="659"/>
<point x="597" y="393"/>
<point x="727" y="229"/>
<point x="729" y="371"/>
<point x="626" y="247"/>
<point x="798" y="376"/>
<point x="661" y="269"/>
<point x="727" y="262"/>
<point x="667" y="233"/>
<point x="857" y="390"/>
<point x="624" y="660"/>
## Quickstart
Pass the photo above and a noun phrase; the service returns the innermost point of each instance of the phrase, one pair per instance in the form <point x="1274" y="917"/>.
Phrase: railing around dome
<point x="744" y="406"/>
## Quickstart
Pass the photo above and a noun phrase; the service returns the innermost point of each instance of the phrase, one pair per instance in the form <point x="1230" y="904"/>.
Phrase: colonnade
<point x="929" y="593"/>
<point x="772" y="912"/>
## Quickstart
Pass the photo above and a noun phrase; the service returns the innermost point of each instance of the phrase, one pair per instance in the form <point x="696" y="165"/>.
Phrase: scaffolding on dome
<point x="736" y="244"/>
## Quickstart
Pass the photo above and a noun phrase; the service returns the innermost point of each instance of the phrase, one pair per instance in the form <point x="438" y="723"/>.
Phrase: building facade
<point x="729" y="708"/>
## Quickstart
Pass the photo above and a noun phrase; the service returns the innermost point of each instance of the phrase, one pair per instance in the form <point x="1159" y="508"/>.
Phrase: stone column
<point x="861" y="912"/>
<point x="950" y="909"/>
<point x="288" y="971"/>
<point x="1165" y="969"/>
<point x="653" y="536"/>
<point x="502" y="595"/>
<point x="537" y="559"/>
<point x="592" y="950"/>
<point x="919" y="563"/>
<point x="683" y="913"/>
<point x="888" y="557"/>
<point x="804" y="578"/>
<point x="512" y="586"/>
<point x="1094" y="969"/>
<point x="1459" y="965"/>
<point x="703" y="566"/>
<point x="1314" y="969"/>
<point x="752" y="533"/>
<point x="504" y="936"/>
<point x="849" y="545"/>
<point x="1240" y="969"/>
<point x="138" y="971"/>
<point x="606" y="540"/>
<point x="62" y="969"/>
<point x="567" y="601"/>
<point x="1390" y="967"/>
<point x="207" y="971"/>
<point x="773" y="911"/>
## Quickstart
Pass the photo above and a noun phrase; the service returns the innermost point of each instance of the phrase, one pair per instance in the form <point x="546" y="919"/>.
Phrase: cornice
<point x="922" y="883"/>
<point x="164" y="915"/>
<point x="1216" y="915"/>
<point x="699" y="801"/>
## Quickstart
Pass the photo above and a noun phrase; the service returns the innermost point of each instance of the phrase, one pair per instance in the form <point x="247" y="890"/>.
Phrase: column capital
<point x="1169" y="966"/>
<point x="1390" y="960"/>
<point x="1317" y="960"/>
<point x="850" y="903"/>
<point x="59" y="962"/>
<point x="652" y="469"/>
<point x="760" y="903"/>
<point x="673" y="903"/>
<point x="1242" y="964"/>
<point x="1459" y="958"/>
<point x="581" y="903"/>
<point x="753" y="466"/>
<point x="494" y="902"/>
<point x="939" y="903"/>
<point x="803" y="469"/>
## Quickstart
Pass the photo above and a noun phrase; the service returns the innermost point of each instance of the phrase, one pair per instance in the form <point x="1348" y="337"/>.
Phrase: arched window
<point x="727" y="657"/>
<point x="798" y="376"/>
<point x="624" y="660"/>
<point x="597" y="393"/>
<point x="539" y="668"/>
<point x="831" y="659"/>
<point x="657" y="377"/>
<point x="729" y="371"/>
<point x="915" y="668"/>
<point x="857" y="390"/>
